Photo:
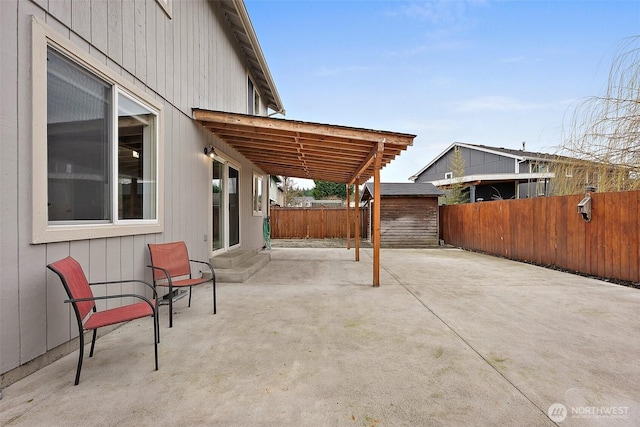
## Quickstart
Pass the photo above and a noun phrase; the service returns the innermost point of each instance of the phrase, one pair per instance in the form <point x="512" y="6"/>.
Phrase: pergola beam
<point x="367" y="161"/>
<point x="265" y="123"/>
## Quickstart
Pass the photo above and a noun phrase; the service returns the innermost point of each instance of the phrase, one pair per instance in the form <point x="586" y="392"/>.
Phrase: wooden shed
<point x="408" y="214"/>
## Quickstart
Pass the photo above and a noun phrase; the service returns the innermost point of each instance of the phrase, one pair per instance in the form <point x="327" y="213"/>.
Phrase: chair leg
<point x="190" y="296"/>
<point x="93" y="342"/>
<point x="214" y="297"/>
<point x="156" y="335"/>
<point x="170" y="309"/>
<point x="156" y="322"/>
<point x="80" y="355"/>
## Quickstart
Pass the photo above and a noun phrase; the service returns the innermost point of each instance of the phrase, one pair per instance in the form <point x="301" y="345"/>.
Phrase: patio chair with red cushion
<point x="89" y="318"/>
<point x="172" y="268"/>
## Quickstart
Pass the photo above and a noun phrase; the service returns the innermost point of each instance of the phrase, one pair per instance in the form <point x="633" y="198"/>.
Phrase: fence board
<point x="634" y="236"/>
<point x="549" y="231"/>
<point x="614" y="203"/>
<point x="313" y="223"/>
<point x="591" y="239"/>
<point x="561" y="232"/>
<point x="600" y="229"/>
<point x="624" y="237"/>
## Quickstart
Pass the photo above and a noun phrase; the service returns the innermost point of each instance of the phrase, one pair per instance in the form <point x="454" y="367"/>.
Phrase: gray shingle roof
<point x="514" y="152"/>
<point x="422" y="189"/>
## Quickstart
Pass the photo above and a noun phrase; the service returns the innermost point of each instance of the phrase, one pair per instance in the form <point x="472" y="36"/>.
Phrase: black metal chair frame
<point x="169" y="278"/>
<point x="82" y="330"/>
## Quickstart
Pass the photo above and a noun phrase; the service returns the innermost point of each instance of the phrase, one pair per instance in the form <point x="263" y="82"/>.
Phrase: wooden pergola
<point x="316" y="151"/>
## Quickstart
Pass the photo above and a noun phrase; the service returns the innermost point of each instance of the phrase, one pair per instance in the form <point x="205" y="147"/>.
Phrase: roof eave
<point x="438" y="157"/>
<point x="260" y="70"/>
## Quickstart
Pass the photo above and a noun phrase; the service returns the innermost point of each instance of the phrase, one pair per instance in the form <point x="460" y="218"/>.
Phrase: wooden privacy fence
<point x="549" y="231"/>
<point x="313" y="223"/>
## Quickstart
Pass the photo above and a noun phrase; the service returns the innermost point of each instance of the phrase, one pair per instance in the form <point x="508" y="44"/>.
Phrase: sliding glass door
<point x="234" y="206"/>
<point x="218" y="205"/>
<point x="225" y="205"/>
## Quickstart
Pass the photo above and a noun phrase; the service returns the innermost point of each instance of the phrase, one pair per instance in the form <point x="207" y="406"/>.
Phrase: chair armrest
<point x="112" y="297"/>
<point x="164" y="270"/>
<point x="155" y="294"/>
<point x="207" y="264"/>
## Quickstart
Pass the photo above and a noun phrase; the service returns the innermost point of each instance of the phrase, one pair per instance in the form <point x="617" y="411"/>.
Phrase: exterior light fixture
<point x="210" y="151"/>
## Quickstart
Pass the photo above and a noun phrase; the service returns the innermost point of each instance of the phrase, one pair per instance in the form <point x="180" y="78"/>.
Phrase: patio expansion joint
<point x="465" y="342"/>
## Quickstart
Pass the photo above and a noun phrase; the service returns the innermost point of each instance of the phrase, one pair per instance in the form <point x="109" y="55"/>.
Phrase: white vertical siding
<point x="31" y="322"/>
<point x="9" y="277"/>
<point x="114" y="31"/>
<point x="99" y="33"/>
<point x="81" y="19"/>
<point x="59" y="316"/>
<point x="139" y="33"/>
<point x="187" y="61"/>
<point x="128" y="35"/>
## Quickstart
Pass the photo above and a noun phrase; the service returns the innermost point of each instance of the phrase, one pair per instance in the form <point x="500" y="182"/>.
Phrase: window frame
<point x="538" y="167"/>
<point x="253" y="98"/>
<point x="44" y="37"/>
<point x="116" y="172"/>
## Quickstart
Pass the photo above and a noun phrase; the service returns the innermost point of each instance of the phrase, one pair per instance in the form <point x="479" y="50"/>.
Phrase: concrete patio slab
<point x="449" y="338"/>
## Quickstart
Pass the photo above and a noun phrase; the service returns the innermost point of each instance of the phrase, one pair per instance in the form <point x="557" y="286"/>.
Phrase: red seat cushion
<point x="116" y="315"/>
<point x="184" y="282"/>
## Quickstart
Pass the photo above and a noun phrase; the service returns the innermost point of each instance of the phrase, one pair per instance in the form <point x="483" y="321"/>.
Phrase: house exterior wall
<point x="184" y="61"/>
<point x="276" y="195"/>
<point x="409" y="222"/>
<point x="476" y="163"/>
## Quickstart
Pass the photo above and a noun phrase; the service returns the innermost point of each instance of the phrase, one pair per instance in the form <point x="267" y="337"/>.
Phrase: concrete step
<point x="232" y="258"/>
<point x="241" y="270"/>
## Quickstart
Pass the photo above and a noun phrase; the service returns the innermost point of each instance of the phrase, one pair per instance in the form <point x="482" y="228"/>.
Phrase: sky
<point x="477" y="71"/>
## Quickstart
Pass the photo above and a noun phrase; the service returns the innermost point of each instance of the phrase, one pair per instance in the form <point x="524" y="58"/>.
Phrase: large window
<point x="101" y="148"/>
<point x="78" y="134"/>
<point x="136" y="192"/>
<point x="96" y="147"/>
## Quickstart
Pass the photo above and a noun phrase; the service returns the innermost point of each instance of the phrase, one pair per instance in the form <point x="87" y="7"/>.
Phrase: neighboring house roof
<point x="303" y="199"/>
<point x="245" y="35"/>
<point x="520" y="155"/>
<point x="494" y="177"/>
<point x="327" y="202"/>
<point x="402" y="189"/>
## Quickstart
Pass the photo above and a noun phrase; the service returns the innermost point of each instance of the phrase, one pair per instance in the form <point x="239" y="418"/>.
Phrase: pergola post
<point x="349" y="218"/>
<point x="376" y="214"/>
<point x="376" y="227"/>
<point x="357" y="220"/>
